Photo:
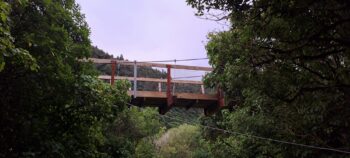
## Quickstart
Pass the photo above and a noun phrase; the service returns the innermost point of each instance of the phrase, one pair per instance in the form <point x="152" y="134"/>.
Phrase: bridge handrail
<point x="108" y="77"/>
<point x="160" y="65"/>
<point x="135" y="64"/>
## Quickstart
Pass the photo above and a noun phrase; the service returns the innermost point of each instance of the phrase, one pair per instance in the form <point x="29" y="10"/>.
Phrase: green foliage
<point x="285" y="65"/>
<point x="60" y="109"/>
<point x="145" y="149"/>
<point x="132" y="131"/>
<point x="52" y="105"/>
<point x="181" y="141"/>
<point x="8" y="51"/>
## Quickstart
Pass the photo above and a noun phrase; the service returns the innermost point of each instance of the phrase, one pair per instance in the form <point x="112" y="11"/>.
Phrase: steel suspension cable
<point x="176" y="60"/>
<point x="187" y="77"/>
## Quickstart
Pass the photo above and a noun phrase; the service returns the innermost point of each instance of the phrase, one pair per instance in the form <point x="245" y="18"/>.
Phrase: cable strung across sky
<point x="178" y="60"/>
<point x="171" y="60"/>
<point x="187" y="77"/>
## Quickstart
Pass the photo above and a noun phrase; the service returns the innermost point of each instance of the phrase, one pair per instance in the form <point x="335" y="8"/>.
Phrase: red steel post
<point x="168" y="87"/>
<point x="114" y="63"/>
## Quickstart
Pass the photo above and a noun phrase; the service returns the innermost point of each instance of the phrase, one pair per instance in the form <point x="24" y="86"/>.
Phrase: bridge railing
<point x="157" y="80"/>
<point x="169" y="81"/>
<point x="135" y="78"/>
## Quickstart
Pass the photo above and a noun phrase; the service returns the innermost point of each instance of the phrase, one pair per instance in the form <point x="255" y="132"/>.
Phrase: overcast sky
<point x="146" y="30"/>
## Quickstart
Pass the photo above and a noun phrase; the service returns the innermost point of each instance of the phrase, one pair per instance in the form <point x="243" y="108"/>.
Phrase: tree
<point x="285" y="64"/>
<point x="8" y="49"/>
<point x="132" y="133"/>
<point x="51" y="104"/>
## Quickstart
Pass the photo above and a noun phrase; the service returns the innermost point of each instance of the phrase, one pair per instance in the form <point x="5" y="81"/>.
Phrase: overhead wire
<point x="187" y="77"/>
<point x="171" y="60"/>
<point x="176" y="60"/>
<point x="259" y="137"/>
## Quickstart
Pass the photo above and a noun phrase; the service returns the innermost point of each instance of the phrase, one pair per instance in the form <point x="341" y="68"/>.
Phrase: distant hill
<point x="190" y="115"/>
<point x="98" y="53"/>
<point x="125" y="70"/>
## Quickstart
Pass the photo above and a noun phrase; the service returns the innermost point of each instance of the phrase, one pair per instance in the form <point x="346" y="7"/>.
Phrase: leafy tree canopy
<point x="51" y="104"/>
<point x="285" y="64"/>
